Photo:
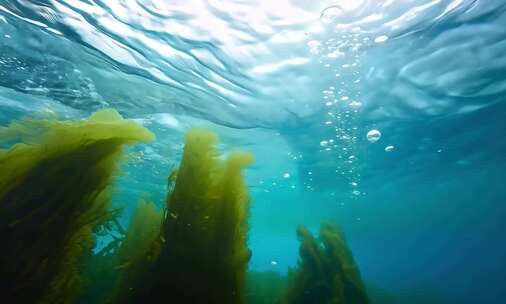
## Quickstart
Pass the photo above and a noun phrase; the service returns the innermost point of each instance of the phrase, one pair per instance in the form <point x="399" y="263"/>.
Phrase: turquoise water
<point x="301" y="84"/>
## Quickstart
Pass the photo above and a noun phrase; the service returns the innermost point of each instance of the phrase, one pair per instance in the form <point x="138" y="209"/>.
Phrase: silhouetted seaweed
<point x="326" y="271"/>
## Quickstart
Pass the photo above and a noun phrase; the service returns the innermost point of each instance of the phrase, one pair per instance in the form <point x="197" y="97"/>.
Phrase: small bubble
<point x="274" y="263"/>
<point x="373" y="135"/>
<point x="323" y="143"/>
<point x="356" y="192"/>
<point x="381" y="39"/>
<point x="286" y="175"/>
<point x="389" y="148"/>
<point x="355" y="104"/>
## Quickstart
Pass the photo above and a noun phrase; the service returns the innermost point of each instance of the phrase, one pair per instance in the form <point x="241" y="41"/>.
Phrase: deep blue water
<point x="300" y="84"/>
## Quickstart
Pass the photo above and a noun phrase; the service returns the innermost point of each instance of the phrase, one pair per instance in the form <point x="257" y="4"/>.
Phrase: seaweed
<point x="143" y="231"/>
<point x="138" y="252"/>
<point x="206" y="231"/>
<point x="55" y="199"/>
<point x="326" y="271"/>
<point x="203" y="254"/>
<point x="54" y="193"/>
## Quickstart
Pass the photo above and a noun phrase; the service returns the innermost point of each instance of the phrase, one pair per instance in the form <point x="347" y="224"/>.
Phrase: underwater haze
<point x="387" y="117"/>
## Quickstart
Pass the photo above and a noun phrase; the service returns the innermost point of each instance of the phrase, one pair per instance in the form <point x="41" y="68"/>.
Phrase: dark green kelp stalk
<point x="54" y="192"/>
<point x="326" y="272"/>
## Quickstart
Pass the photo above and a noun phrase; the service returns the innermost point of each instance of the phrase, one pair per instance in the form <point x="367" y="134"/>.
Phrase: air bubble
<point x="389" y="148"/>
<point x="355" y="104"/>
<point x="373" y="135"/>
<point x="381" y="39"/>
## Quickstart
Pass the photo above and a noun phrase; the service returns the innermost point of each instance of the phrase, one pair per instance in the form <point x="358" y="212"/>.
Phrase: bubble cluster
<point x="339" y="50"/>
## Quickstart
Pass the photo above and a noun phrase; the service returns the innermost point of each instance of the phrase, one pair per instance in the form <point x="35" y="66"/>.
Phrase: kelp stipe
<point x="54" y="192"/>
<point x="325" y="274"/>
<point x="203" y="256"/>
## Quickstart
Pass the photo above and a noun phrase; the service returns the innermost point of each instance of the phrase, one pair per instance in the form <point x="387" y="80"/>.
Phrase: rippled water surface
<point x="387" y="116"/>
